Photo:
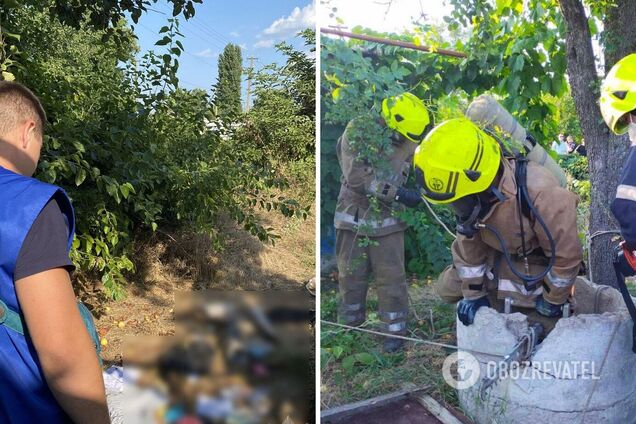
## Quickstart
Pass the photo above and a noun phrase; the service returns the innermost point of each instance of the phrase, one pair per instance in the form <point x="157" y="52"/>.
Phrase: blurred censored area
<point x="236" y="357"/>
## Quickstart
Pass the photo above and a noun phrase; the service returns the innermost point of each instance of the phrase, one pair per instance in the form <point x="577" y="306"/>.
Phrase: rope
<point x="589" y="249"/>
<point x="594" y="384"/>
<point x="437" y="218"/>
<point x="411" y="339"/>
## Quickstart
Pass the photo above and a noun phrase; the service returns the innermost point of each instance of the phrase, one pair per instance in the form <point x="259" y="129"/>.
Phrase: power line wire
<point x="205" y="29"/>
<point x="204" y="39"/>
<point x="213" y="34"/>
<point x="184" y="51"/>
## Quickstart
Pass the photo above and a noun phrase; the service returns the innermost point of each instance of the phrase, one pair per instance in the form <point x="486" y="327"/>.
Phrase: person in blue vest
<point x="49" y="372"/>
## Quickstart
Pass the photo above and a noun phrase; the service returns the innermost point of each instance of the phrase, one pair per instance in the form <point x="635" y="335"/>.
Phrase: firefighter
<point x="369" y="236"/>
<point x="516" y="230"/>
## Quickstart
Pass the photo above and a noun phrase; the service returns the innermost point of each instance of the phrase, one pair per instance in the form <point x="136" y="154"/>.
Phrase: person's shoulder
<point x="14" y="179"/>
<point x="27" y="190"/>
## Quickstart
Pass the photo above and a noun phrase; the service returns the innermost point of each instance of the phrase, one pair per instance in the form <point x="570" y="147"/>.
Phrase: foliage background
<point x="227" y="91"/>
<point x="519" y="62"/>
<point x="135" y="152"/>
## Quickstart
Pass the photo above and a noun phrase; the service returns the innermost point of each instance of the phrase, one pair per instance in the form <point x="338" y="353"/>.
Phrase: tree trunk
<point x="619" y="32"/>
<point x="606" y="153"/>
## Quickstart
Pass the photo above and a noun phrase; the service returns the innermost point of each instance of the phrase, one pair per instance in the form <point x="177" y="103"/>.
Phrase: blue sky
<point x="254" y="25"/>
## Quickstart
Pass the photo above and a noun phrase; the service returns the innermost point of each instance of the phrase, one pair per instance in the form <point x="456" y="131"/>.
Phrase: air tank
<point x="485" y="111"/>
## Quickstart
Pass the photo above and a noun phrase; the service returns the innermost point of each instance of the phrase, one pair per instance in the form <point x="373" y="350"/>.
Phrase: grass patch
<point x="353" y="366"/>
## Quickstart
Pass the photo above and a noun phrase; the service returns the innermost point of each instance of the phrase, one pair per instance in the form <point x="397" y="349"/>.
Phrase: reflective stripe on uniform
<point x="466" y="272"/>
<point x="560" y="282"/>
<point x="396" y="327"/>
<point x="511" y="286"/>
<point x="626" y="192"/>
<point x="350" y="219"/>
<point x="392" y="316"/>
<point x="352" y="307"/>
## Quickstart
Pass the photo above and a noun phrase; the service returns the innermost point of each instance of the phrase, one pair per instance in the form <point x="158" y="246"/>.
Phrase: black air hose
<point x="527" y="278"/>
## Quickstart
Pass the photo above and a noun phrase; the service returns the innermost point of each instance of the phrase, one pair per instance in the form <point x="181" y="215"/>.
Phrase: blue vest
<point x="24" y="394"/>
<point x="624" y="210"/>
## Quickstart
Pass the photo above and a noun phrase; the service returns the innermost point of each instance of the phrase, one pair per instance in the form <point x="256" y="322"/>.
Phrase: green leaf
<point x="165" y="40"/>
<point x="349" y="362"/>
<point x="333" y="79"/>
<point x="335" y="95"/>
<point x="592" y="25"/>
<point x="80" y="176"/>
<point x="337" y="351"/>
<point x="12" y="35"/>
<point x="7" y="76"/>
<point x="10" y="4"/>
<point x="125" y="190"/>
<point x="518" y="65"/>
<point x="502" y="4"/>
<point x="365" y="358"/>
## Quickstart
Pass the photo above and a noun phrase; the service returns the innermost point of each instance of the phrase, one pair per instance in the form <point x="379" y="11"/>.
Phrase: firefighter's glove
<point x="467" y="309"/>
<point x="625" y="260"/>
<point x="548" y="309"/>
<point x="409" y="198"/>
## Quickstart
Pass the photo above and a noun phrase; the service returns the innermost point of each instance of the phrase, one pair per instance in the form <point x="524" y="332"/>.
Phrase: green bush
<point x="133" y="150"/>
<point x="576" y="166"/>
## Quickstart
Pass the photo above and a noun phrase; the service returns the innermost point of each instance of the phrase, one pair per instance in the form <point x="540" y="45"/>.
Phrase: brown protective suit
<point x="478" y="264"/>
<point x="369" y="239"/>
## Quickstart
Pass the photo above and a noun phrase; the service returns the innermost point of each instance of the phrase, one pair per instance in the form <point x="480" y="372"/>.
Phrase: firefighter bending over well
<point x="516" y="230"/>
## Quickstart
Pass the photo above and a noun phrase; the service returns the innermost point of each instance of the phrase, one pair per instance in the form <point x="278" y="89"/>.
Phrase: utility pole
<point x="249" y="85"/>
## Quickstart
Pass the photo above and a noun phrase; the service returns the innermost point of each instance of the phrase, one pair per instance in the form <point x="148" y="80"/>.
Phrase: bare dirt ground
<point x="173" y="262"/>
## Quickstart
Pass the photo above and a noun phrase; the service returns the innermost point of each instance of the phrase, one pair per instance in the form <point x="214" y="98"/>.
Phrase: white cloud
<point x="265" y="44"/>
<point x="299" y="19"/>
<point x="288" y="26"/>
<point x="234" y="34"/>
<point x="206" y="53"/>
<point x="243" y="46"/>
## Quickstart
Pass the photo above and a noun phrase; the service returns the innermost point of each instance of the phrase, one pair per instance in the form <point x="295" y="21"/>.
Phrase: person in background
<point x="560" y="146"/>
<point x="49" y="368"/>
<point x="571" y="144"/>
<point x="580" y="149"/>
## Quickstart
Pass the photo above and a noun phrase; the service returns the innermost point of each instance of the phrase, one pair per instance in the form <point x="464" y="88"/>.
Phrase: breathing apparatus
<point x="525" y="203"/>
